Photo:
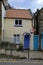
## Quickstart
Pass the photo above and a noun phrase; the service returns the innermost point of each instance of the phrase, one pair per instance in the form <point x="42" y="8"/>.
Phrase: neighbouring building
<point x="17" y="27"/>
<point x="38" y="24"/>
<point x="3" y="7"/>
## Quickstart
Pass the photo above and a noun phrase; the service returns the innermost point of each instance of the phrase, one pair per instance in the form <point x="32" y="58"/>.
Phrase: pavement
<point x="31" y="56"/>
<point x="36" y="54"/>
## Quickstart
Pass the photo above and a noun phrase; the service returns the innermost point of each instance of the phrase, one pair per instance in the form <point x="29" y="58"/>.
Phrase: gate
<point x="42" y="41"/>
<point x="36" y="42"/>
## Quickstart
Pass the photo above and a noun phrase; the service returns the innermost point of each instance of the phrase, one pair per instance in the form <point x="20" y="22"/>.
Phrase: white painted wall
<point x="3" y="15"/>
<point x="32" y="41"/>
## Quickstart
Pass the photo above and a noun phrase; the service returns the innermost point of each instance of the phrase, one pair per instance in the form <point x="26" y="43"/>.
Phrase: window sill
<point x="18" y="26"/>
<point x="17" y="43"/>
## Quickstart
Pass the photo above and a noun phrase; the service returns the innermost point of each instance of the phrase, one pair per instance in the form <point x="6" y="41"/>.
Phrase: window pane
<point x="16" y="22"/>
<point x="20" y="22"/>
<point x="17" y="39"/>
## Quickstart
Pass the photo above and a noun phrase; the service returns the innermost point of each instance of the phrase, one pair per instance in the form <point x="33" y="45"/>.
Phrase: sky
<point x="26" y="4"/>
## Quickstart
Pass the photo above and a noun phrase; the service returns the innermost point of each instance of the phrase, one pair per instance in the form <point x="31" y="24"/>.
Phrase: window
<point x="17" y="39"/>
<point x="18" y="22"/>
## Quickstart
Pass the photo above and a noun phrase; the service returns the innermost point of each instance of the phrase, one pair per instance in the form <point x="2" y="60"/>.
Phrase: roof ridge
<point x="18" y="9"/>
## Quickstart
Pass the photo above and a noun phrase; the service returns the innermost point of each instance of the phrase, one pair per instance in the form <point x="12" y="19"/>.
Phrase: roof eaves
<point x="17" y="18"/>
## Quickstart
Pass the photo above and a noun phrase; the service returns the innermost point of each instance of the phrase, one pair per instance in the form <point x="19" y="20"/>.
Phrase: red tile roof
<point x="18" y="13"/>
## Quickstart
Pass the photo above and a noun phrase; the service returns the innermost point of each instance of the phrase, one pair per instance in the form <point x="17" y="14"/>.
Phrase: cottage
<point x="17" y="26"/>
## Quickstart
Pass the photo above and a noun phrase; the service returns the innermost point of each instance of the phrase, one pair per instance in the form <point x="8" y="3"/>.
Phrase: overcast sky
<point x="26" y="4"/>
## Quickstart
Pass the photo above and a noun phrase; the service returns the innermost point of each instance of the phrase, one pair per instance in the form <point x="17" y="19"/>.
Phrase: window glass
<point x="17" y="39"/>
<point x="20" y="22"/>
<point x="16" y="22"/>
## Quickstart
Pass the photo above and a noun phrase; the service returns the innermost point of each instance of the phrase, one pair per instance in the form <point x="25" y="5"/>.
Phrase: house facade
<point x="17" y="26"/>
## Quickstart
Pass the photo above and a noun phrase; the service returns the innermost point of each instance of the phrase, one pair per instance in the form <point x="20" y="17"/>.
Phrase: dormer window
<point x="18" y="23"/>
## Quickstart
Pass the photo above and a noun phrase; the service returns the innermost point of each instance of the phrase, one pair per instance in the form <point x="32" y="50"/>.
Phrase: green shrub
<point x="4" y="44"/>
<point x="21" y="47"/>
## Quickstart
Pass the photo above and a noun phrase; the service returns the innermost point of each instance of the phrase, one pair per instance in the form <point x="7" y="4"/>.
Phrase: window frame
<point x="18" y="25"/>
<point x="16" y="38"/>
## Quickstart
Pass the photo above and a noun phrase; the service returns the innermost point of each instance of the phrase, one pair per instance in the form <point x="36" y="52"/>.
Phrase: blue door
<point x="26" y="41"/>
<point x="36" y="42"/>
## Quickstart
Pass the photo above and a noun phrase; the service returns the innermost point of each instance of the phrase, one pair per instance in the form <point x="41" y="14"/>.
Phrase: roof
<point x="18" y="13"/>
